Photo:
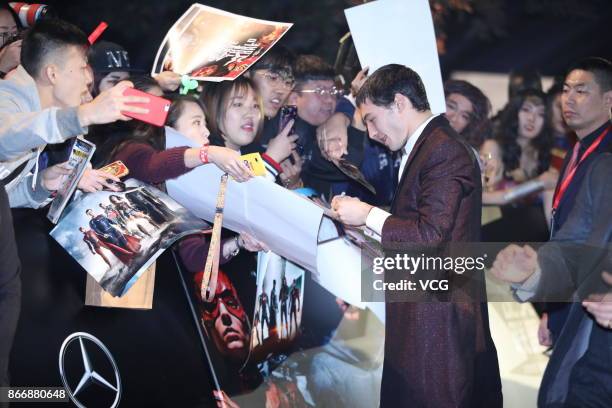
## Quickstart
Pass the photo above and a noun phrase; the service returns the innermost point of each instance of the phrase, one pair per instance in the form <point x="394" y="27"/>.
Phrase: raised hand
<point x="514" y="264"/>
<point x="168" y="80"/>
<point x="332" y="136"/>
<point x="110" y="105"/>
<point x="281" y="146"/>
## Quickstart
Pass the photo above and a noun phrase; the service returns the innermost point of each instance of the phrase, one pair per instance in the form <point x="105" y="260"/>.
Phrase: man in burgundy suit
<point x="436" y="354"/>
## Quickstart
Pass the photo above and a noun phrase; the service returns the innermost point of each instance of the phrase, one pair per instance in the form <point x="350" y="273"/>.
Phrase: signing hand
<point x="95" y="180"/>
<point x="350" y="210"/>
<point x="514" y="264"/>
<point x="109" y="106"/>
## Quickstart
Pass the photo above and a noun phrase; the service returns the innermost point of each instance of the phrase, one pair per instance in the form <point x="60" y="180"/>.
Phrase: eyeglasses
<point x="281" y="79"/>
<point x="333" y="91"/>
<point x="9" y="36"/>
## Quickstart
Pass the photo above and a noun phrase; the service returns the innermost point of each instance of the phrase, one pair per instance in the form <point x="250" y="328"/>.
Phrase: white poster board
<point x="399" y="32"/>
<point x="285" y="221"/>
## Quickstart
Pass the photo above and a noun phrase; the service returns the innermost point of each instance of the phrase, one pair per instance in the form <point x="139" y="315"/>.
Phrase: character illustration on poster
<point x="228" y="336"/>
<point x="211" y="44"/>
<point x="116" y="235"/>
<point x="279" y="305"/>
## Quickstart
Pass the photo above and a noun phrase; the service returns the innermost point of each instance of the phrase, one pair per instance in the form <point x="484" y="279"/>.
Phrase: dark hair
<point x="47" y="38"/>
<point x="4" y="5"/>
<point x="479" y="126"/>
<point x="113" y="137"/>
<point x="509" y="127"/>
<point x="312" y="68"/>
<point x="385" y="82"/>
<point x="178" y="106"/>
<point x="520" y="80"/>
<point x="278" y="59"/>
<point x="601" y="69"/>
<point x="555" y="90"/>
<point x="215" y="97"/>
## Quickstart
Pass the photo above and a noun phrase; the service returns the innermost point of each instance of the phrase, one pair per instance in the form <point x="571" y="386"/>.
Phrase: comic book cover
<point x="81" y="154"/>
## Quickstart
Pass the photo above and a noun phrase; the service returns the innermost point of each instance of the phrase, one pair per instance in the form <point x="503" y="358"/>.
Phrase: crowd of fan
<point x="55" y="87"/>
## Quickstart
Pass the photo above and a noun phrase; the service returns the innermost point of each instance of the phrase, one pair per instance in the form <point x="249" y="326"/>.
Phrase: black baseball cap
<point x="105" y="56"/>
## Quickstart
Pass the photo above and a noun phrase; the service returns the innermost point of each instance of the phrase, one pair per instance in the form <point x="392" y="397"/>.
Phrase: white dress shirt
<point x="377" y="217"/>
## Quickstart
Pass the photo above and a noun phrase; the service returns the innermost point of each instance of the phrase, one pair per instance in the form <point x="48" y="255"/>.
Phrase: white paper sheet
<point x="400" y="32"/>
<point x="282" y="219"/>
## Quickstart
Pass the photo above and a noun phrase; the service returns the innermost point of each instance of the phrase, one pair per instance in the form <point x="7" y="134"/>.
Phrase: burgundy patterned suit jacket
<point x="438" y="354"/>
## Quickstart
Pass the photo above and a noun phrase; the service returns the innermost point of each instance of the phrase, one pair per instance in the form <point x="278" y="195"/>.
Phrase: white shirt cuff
<point x="527" y="289"/>
<point x="376" y="219"/>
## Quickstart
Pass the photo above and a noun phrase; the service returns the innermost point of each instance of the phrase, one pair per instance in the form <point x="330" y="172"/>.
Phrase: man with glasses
<point x="273" y="75"/>
<point x="10" y="46"/>
<point x="315" y="96"/>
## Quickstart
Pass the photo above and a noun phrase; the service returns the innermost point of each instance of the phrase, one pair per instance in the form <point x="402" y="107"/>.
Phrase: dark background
<point x="482" y="35"/>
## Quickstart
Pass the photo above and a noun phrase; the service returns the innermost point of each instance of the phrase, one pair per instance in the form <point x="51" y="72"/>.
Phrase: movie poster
<point x="280" y="339"/>
<point x="115" y="236"/>
<point x="278" y="307"/>
<point x="214" y="45"/>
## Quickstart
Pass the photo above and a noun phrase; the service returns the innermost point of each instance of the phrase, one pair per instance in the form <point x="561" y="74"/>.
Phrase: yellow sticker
<point x="255" y="163"/>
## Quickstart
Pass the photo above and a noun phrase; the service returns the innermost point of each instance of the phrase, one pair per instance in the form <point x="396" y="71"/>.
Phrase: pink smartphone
<point x="158" y="108"/>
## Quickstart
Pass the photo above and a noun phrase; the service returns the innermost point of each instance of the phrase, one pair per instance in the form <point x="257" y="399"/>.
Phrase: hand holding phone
<point x="111" y="105"/>
<point x="157" y="107"/>
<point x="287" y="114"/>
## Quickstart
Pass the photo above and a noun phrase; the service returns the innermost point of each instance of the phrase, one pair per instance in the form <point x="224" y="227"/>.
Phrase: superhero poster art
<point x="278" y="307"/>
<point x="227" y="326"/>
<point x="214" y="45"/>
<point x="115" y="236"/>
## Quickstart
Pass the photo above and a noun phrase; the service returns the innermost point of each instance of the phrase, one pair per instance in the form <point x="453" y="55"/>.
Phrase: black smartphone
<point x="288" y="113"/>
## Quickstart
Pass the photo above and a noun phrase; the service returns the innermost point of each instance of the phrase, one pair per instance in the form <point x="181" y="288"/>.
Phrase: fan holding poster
<point x="214" y="45"/>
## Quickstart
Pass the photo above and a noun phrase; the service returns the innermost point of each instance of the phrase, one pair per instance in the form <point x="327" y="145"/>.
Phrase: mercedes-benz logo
<point x="90" y="376"/>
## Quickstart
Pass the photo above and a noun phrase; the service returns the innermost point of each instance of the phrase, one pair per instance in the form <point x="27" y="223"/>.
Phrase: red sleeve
<point x="193" y="251"/>
<point x="148" y="165"/>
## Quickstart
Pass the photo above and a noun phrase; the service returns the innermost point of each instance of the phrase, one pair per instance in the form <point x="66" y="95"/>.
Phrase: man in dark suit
<point x="585" y="102"/>
<point x="436" y="354"/>
<point x="578" y="373"/>
<point x="574" y="265"/>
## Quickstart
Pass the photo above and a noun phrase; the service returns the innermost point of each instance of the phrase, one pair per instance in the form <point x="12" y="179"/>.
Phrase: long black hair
<point x="479" y="127"/>
<point x="509" y="128"/>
